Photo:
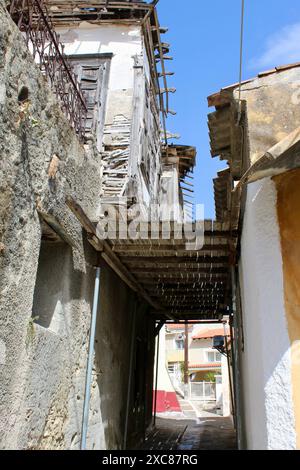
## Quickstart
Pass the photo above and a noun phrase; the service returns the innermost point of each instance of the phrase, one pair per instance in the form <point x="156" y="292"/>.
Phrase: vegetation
<point x="210" y="377"/>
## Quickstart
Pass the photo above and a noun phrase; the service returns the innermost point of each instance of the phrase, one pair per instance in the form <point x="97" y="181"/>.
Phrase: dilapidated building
<point x="255" y="129"/>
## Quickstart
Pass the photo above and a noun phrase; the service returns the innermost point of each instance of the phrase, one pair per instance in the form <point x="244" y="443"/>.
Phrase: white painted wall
<point x="226" y="398"/>
<point x="163" y="378"/>
<point x="266" y="361"/>
<point x="123" y="41"/>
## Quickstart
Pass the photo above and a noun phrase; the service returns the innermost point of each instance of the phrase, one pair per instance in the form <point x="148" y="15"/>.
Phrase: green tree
<point x="210" y="377"/>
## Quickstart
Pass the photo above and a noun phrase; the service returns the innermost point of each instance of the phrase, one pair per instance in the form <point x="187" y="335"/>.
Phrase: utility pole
<point x="186" y="361"/>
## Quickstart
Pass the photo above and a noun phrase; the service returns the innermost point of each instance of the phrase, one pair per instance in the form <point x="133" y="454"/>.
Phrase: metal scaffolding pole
<point x="156" y="378"/>
<point x="90" y="359"/>
<point x="236" y="364"/>
<point x="133" y="328"/>
<point x="229" y="370"/>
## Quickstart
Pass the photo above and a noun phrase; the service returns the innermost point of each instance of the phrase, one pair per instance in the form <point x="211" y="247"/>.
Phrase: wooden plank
<point x="150" y="260"/>
<point x="168" y="249"/>
<point x="108" y="255"/>
<point x="194" y="270"/>
<point x="77" y="210"/>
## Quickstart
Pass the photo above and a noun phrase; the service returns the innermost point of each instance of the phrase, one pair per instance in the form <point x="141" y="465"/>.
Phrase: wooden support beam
<point x="185" y="271"/>
<point x="108" y="255"/>
<point x="170" y="249"/>
<point x="174" y="260"/>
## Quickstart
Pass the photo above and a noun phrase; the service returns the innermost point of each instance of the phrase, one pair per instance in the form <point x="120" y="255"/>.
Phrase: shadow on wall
<point x="57" y="285"/>
<point x="61" y="307"/>
<point x="114" y="334"/>
<point x="112" y="354"/>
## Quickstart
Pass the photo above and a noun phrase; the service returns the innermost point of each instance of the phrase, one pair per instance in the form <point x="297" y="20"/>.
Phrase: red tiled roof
<point x="178" y="327"/>
<point x="211" y="365"/>
<point x="209" y="333"/>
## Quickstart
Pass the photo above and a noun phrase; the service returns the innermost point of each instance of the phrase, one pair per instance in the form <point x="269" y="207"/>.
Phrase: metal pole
<point x="229" y="370"/>
<point x="130" y="375"/>
<point x="89" y="369"/>
<point x="236" y="359"/>
<point x="156" y="379"/>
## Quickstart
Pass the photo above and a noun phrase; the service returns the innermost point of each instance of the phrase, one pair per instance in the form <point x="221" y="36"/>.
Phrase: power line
<point x="241" y="57"/>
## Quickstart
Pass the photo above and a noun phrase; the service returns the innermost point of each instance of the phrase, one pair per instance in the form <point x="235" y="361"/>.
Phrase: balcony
<point x="32" y="19"/>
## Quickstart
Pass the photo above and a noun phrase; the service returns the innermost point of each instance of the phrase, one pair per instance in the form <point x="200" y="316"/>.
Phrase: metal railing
<point x="32" y="18"/>
<point x="203" y="391"/>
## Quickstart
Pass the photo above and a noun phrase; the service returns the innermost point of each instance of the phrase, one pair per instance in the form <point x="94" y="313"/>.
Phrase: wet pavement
<point x="191" y="430"/>
<point x="204" y="434"/>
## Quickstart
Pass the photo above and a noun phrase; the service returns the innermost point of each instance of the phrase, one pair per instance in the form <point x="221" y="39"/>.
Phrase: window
<point x="92" y="72"/>
<point x="214" y="356"/>
<point x="179" y="344"/>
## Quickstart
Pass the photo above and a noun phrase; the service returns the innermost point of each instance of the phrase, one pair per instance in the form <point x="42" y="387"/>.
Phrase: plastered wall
<point x="288" y="203"/>
<point x="266" y="360"/>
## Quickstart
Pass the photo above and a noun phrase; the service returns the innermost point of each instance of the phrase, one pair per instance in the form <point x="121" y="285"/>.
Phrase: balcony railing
<point x="32" y="18"/>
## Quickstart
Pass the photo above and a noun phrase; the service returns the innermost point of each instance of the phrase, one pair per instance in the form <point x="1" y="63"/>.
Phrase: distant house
<point x="208" y="371"/>
<point x="204" y="360"/>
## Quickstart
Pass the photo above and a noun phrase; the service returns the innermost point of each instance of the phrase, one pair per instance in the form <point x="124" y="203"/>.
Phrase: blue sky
<point x="204" y="37"/>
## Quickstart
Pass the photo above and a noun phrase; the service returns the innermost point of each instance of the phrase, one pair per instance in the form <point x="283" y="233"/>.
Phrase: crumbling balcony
<point x="31" y="17"/>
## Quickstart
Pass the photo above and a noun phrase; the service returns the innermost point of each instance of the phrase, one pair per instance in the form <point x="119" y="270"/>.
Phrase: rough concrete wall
<point x="112" y="356"/>
<point x="272" y="109"/>
<point x="43" y="371"/>
<point x="266" y="361"/>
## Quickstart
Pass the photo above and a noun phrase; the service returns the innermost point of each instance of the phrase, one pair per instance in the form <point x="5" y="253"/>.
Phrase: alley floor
<point x="191" y="430"/>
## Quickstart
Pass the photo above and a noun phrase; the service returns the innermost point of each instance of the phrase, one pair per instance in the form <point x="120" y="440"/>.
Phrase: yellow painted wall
<point x="288" y="208"/>
<point x="175" y="355"/>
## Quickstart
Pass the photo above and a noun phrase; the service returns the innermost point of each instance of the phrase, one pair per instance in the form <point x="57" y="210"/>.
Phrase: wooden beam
<point x="108" y="255"/>
<point x="170" y="249"/>
<point x="176" y="260"/>
<point x="85" y="222"/>
<point x="193" y="270"/>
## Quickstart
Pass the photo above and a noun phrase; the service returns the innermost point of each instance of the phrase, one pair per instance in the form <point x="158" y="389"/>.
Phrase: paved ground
<point x="191" y="430"/>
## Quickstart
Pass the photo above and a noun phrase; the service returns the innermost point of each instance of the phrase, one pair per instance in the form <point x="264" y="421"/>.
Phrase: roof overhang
<point x="183" y="156"/>
<point x="65" y="13"/>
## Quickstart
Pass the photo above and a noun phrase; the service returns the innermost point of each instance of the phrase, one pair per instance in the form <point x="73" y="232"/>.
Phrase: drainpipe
<point x="88" y="380"/>
<point x="156" y="378"/>
<point x="236" y="359"/>
<point x="229" y="370"/>
<point x="130" y="375"/>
